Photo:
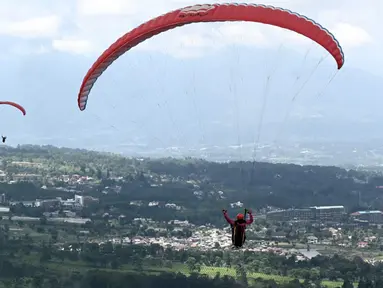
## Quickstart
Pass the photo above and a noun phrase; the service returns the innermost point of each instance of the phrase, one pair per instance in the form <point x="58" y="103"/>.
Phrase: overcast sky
<point x="66" y="36"/>
<point x="87" y="27"/>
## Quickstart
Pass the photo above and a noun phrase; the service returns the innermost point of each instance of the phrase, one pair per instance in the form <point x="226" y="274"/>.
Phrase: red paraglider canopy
<point x="21" y="108"/>
<point x="210" y="13"/>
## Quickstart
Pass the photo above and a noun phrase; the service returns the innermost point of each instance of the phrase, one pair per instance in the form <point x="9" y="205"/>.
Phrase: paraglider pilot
<point x="3" y="138"/>
<point x="238" y="227"/>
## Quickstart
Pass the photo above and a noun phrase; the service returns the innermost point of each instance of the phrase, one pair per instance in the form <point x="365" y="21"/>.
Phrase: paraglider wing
<point x="210" y="13"/>
<point x="21" y="108"/>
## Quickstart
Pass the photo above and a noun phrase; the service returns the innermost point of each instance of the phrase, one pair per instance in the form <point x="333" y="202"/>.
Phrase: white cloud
<point x="351" y="36"/>
<point x="76" y="46"/>
<point x="102" y="7"/>
<point x="199" y="39"/>
<point x="180" y="44"/>
<point x="25" y="50"/>
<point x="90" y="26"/>
<point x="41" y="27"/>
<point x="243" y="33"/>
<point x="186" y="42"/>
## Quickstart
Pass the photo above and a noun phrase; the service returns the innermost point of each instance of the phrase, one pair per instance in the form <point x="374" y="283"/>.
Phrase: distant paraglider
<point x="265" y="14"/>
<point x="18" y="106"/>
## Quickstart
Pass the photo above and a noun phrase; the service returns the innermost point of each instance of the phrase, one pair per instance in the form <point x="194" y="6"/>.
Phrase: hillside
<point x="190" y="183"/>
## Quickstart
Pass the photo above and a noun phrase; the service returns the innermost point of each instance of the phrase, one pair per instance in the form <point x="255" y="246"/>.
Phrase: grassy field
<point x="178" y="268"/>
<point x="212" y="271"/>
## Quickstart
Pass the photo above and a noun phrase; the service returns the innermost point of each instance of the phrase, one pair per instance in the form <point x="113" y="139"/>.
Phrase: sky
<point x="87" y="27"/>
<point x="47" y="47"/>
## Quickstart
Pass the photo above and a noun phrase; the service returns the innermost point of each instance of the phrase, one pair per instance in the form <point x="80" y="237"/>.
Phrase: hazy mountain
<point x="160" y="101"/>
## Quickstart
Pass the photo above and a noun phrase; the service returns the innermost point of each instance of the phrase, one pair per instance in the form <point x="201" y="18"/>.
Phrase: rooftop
<point x="367" y="212"/>
<point x="4" y="209"/>
<point x="327" y="207"/>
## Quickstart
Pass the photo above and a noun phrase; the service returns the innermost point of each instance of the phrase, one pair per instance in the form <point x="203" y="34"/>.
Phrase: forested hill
<point x="194" y="183"/>
<point x="282" y="185"/>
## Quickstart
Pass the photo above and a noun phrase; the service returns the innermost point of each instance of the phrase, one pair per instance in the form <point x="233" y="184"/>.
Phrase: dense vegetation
<point x="28" y="263"/>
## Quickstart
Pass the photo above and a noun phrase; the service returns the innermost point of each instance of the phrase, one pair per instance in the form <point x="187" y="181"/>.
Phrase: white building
<point x="84" y="200"/>
<point x="4" y="210"/>
<point x="47" y="203"/>
<point x="312" y="240"/>
<point x="2" y="198"/>
<point x="329" y="213"/>
<point x="79" y="199"/>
